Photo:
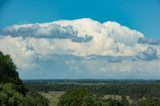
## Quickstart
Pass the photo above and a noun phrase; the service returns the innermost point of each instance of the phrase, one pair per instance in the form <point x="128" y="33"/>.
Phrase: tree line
<point x="141" y="94"/>
<point x="133" y="90"/>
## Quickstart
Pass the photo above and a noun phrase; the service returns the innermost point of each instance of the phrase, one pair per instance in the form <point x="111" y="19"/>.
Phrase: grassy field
<point x="53" y="97"/>
<point x="117" y="97"/>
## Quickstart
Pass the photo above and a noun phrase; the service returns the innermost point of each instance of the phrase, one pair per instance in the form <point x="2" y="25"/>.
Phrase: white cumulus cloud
<point x="80" y="37"/>
<point x="30" y="43"/>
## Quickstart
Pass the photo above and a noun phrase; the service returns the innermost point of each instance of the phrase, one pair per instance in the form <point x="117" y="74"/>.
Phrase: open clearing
<point x="53" y="97"/>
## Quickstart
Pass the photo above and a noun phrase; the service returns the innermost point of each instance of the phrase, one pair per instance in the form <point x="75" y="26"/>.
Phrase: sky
<point x="82" y="39"/>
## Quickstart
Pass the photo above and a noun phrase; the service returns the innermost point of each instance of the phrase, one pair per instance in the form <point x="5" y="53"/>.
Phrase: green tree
<point x="150" y="102"/>
<point x="9" y="96"/>
<point x="78" y="97"/>
<point x="8" y="73"/>
<point x="112" y="102"/>
<point x="12" y="90"/>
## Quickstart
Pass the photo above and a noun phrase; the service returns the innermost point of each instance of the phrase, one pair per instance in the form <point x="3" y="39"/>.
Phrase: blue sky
<point x="142" y="15"/>
<point x="82" y="39"/>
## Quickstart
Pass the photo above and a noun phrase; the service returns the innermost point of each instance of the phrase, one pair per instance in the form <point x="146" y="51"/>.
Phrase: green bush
<point x="9" y="96"/>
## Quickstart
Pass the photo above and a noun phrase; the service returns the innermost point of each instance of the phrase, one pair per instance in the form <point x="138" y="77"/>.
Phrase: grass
<point x="53" y="97"/>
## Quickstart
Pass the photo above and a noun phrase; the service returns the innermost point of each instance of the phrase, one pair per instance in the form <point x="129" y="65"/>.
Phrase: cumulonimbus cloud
<point x="87" y="38"/>
<point x="109" y="38"/>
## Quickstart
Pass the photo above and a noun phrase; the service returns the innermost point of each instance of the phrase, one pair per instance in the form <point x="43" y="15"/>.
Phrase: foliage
<point x="111" y="102"/>
<point x="8" y="73"/>
<point x="81" y="97"/>
<point x="12" y="89"/>
<point x="150" y="102"/>
<point x="134" y="90"/>
<point x="9" y="96"/>
<point x="78" y="97"/>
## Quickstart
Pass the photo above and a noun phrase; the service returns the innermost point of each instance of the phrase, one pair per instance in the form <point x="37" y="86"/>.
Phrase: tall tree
<point x="8" y="73"/>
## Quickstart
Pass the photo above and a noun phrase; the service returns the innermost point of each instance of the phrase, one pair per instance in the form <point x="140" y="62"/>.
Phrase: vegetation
<point x="8" y="73"/>
<point x="150" y="102"/>
<point x="82" y="97"/>
<point x="9" y="96"/>
<point x="78" y="97"/>
<point x="120" y="93"/>
<point x="12" y="90"/>
<point x="134" y="90"/>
